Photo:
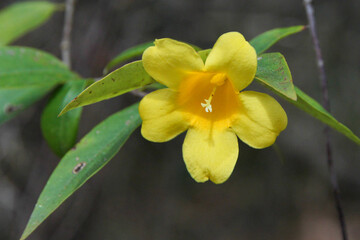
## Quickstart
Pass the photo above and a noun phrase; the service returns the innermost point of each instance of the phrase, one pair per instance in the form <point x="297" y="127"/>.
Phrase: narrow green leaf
<point x="60" y="132"/>
<point x="20" y="18"/>
<point x="312" y="107"/>
<point x="13" y="101"/>
<point x="122" y="80"/>
<point x="131" y="53"/>
<point x="273" y="71"/>
<point x="265" y="40"/>
<point x="127" y="54"/>
<point x="92" y="153"/>
<point x="26" y="67"/>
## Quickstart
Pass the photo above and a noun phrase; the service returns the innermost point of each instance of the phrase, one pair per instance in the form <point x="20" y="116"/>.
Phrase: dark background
<point x="145" y="192"/>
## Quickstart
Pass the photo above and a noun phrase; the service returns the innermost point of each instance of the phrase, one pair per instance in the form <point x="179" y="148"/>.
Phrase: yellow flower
<point x="205" y="99"/>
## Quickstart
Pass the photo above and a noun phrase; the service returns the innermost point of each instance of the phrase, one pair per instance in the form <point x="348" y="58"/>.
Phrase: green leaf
<point x="26" y="67"/>
<point x="92" y="153"/>
<point x="312" y="107"/>
<point x="20" y="18"/>
<point x="13" y="101"/>
<point x="127" y="54"/>
<point x="122" y="80"/>
<point x="273" y="71"/>
<point x="60" y="132"/>
<point x="265" y="40"/>
<point x="131" y="53"/>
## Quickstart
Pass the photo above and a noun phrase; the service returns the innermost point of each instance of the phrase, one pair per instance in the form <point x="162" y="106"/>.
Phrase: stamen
<point x="218" y="79"/>
<point x="207" y="104"/>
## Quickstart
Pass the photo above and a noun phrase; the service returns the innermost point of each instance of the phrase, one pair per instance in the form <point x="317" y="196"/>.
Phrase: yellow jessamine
<point x="205" y="99"/>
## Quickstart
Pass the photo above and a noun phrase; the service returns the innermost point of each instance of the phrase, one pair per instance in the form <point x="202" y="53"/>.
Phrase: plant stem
<point x="323" y="82"/>
<point x="65" y="42"/>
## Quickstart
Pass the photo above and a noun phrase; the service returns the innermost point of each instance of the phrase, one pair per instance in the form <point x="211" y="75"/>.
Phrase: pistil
<point x="207" y="104"/>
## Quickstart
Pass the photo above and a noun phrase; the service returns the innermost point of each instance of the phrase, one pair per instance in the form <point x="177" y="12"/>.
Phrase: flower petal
<point x="260" y="120"/>
<point x="210" y="154"/>
<point x="161" y="120"/>
<point x="169" y="61"/>
<point x="233" y="55"/>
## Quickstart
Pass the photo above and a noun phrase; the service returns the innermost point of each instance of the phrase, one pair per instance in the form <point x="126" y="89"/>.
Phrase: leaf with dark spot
<point x="95" y="151"/>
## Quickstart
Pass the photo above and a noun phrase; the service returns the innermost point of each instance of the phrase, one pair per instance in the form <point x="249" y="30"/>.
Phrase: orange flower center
<point x="205" y="96"/>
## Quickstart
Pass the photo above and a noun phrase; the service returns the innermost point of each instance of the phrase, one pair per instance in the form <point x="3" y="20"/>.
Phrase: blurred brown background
<point x="145" y="192"/>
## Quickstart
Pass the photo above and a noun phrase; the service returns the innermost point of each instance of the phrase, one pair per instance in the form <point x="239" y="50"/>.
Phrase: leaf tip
<point x="293" y="96"/>
<point x="26" y="233"/>
<point x="63" y="111"/>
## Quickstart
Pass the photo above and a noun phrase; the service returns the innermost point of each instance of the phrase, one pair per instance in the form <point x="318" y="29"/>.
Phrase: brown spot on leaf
<point x="90" y="92"/>
<point x="79" y="167"/>
<point x="113" y="79"/>
<point x="10" y="108"/>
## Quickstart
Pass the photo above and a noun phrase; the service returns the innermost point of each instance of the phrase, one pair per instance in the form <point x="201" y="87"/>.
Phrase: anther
<point x="218" y="79"/>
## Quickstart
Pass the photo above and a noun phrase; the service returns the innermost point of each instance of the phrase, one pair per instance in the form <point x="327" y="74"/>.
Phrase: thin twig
<point x="323" y="82"/>
<point x="65" y="42"/>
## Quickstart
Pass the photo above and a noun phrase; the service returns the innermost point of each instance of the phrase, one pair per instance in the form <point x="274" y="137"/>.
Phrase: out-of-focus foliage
<point x="26" y="75"/>
<point x="15" y="100"/>
<point x="27" y="67"/>
<point x="20" y="18"/>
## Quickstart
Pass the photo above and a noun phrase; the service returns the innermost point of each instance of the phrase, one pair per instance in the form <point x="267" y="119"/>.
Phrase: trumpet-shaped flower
<point x="207" y="100"/>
